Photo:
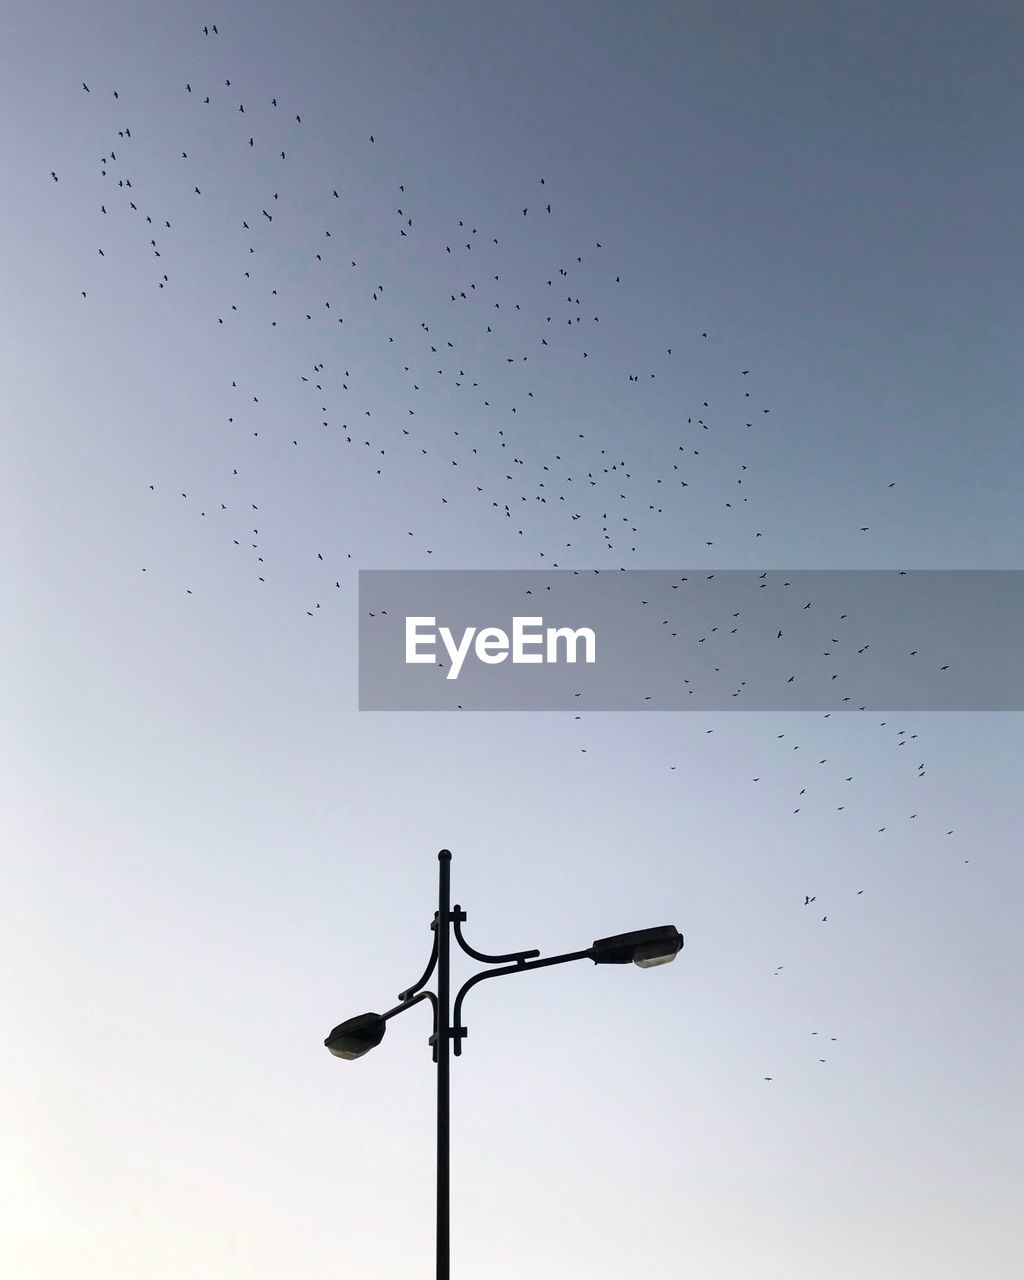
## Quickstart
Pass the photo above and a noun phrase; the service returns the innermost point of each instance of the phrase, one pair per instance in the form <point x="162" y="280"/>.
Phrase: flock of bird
<point x="467" y="322"/>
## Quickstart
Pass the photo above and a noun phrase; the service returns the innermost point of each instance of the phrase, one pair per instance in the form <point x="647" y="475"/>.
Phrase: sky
<point x="212" y="856"/>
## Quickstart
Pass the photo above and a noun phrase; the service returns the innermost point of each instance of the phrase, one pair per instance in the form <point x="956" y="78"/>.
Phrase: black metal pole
<point x="443" y="1045"/>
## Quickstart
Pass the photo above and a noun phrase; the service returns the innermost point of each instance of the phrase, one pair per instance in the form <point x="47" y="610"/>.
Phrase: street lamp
<point x="356" y="1036"/>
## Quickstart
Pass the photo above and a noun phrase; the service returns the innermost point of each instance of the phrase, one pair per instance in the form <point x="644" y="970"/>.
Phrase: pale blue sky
<point x="213" y="857"/>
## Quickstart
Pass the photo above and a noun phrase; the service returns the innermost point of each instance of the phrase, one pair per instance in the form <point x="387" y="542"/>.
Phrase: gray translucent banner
<point x="697" y="640"/>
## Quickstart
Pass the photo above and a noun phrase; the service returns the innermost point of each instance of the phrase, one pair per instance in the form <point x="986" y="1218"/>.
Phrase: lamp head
<point x="356" y="1036"/>
<point x="645" y="948"/>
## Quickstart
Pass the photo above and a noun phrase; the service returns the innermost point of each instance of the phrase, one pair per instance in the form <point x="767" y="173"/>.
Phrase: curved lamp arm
<point x="458" y="915"/>
<point x="431" y="965"/>
<point x="458" y="1030"/>
<point x="407" y="1004"/>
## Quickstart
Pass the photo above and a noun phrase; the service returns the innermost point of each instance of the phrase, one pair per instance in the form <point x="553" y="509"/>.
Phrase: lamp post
<point x="357" y="1036"/>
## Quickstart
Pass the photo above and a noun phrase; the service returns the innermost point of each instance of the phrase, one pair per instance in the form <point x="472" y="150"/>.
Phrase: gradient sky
<point x="212" y="857"/>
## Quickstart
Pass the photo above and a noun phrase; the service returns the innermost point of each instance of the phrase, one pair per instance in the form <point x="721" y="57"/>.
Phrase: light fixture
<point x="356" y="1036"/>
<point x="645" y="948"/>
